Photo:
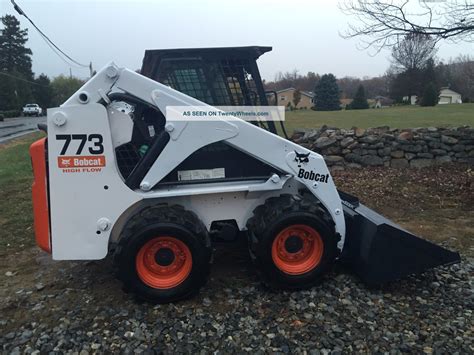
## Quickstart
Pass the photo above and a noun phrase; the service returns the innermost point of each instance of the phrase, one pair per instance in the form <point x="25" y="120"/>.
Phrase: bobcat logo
<point x="66" y="162"/>
<point x="301" y="158"/>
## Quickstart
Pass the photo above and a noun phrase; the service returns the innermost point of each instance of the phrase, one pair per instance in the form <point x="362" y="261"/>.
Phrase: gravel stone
<point x="359" y="132"/>
<point x="438" y="151"/>
<point x="443" y="159"/>
<point x="332" y="159"/>
<point x="369" y="139"/>
<point x="406" y="135"/>
<point x="397" y="154"/>
<point x="372" y="160"/>
<point x="410" y="156"/>
<point x="323" y="142"/>
<point x="421" y="163"/>
<point x="448" y="139"/>
<point x="347" y="141"/>
<point x="425" y="155"/>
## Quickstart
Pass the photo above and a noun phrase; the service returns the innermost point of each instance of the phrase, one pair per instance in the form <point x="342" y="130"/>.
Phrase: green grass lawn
<point x="16" y="216"/>
<point x="394" y="117"/>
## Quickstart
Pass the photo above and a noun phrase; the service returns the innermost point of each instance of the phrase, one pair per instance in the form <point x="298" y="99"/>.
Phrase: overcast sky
<point x="304" y="34"/>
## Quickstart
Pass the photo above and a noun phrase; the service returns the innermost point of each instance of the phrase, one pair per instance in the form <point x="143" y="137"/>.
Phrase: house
<point x="382" y="101"/>
<point x="285" y="97"/>
<point x="412" y="99"/>
<point x="448" y="96"/>
<point x="345" y="102"/>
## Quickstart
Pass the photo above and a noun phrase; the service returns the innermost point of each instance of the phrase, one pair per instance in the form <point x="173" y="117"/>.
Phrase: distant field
<point x="394" y="117"/>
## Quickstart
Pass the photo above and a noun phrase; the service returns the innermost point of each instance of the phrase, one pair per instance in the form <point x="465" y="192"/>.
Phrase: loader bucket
<point x="378" y="251"/>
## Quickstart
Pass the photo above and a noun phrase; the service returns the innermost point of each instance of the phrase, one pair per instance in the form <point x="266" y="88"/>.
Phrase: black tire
<point x="163" y="220"/>
<point x="274" y="216"/>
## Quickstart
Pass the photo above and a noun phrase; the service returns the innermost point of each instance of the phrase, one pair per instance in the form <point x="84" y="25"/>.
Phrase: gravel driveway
<point x="78" y="307"/>
<point x="73" y="307"/>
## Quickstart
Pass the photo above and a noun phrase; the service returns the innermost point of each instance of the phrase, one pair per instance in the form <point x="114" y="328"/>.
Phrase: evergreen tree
<point x="14" y="56"/>
<point x="430" y="95"/>
<point x="15" y="65"/>
<point x="8" y="94"/>
<point x="406" y="83"/>
<point x="43" y="92"/>
<point x="360" y="100"/>
<point x="326" y="94"/>
<point x="429" y="75"/>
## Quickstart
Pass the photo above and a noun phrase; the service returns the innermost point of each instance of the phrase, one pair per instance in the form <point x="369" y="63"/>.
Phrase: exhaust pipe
<point x="379" y="251"/>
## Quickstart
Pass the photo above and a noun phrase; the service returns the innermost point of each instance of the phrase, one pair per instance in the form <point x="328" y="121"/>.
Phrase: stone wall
<point x="382" y="146"/>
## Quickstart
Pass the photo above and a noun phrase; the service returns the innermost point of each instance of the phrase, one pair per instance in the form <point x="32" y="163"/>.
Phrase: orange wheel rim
<point x="164" y="262"/>
<point x="297" y="249"/>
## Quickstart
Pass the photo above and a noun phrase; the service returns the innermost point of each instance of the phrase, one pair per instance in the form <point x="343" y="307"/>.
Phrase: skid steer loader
<point x="116" y="174"/>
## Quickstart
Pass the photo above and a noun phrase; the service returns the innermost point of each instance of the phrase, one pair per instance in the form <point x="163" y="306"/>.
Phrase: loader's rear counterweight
<point x="40" y="194"/>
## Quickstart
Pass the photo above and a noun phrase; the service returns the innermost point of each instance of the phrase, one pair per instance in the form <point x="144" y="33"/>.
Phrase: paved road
<point x="16" y="127"/>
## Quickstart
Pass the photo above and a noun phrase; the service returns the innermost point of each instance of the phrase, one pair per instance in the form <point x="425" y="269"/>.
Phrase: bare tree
<point x="292" y="79"/>
<point x="382" y="23"/>
<point x="413" y="51"/>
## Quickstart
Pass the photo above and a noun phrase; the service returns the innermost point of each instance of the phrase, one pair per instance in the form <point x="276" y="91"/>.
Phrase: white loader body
<point x="90" y="202"/>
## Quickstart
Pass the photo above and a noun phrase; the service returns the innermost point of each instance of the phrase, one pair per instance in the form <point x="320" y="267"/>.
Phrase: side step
<point x="379" y="251"/>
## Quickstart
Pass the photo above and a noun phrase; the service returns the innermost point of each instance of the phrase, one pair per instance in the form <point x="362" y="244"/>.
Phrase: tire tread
<point x="162" y="213"/>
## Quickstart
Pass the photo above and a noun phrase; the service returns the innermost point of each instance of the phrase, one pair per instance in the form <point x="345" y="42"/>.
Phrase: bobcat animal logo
<point x="301" y="158"/>
<point x="66" y="162"/>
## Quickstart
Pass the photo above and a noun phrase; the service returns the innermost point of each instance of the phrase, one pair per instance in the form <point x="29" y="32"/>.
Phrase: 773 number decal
<point x="94" y="141"/>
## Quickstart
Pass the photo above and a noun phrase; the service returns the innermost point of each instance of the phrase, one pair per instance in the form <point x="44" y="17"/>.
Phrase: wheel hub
<point x="293" y="244"/>
<point x="297" y="249"/>
<point x="164" y="257"/>
<point x="164" y="262"/>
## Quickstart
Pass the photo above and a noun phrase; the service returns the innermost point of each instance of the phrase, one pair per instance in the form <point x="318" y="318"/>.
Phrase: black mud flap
<point x="379" y="251"/>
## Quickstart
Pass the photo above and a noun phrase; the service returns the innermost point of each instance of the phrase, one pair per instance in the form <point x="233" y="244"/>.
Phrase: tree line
<point x="18" y="84"/>
<point x="406" y="76"/>
<point x="412" y="30"/>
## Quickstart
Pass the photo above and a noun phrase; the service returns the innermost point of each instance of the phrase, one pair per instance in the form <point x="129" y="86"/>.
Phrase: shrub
<point x="326" y="94"/>
<point x="10" y="113"/>
<point x="360" y="100"/>
<point x="430" y="96"/>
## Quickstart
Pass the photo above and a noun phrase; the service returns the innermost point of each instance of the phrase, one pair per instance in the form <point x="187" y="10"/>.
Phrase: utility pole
<point x="70" y="73"/>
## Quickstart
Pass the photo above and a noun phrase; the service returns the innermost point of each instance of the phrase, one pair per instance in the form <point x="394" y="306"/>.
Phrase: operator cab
<point x="216" y="76"/>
